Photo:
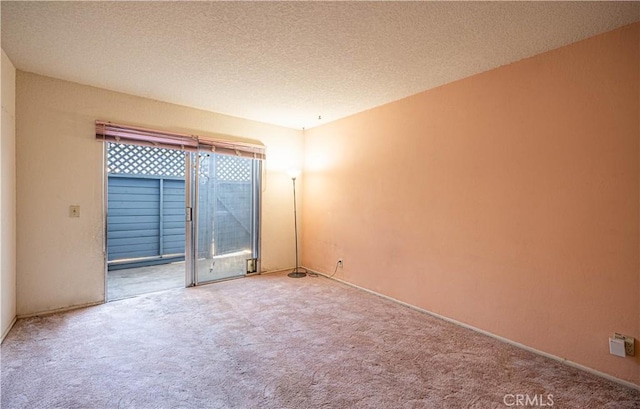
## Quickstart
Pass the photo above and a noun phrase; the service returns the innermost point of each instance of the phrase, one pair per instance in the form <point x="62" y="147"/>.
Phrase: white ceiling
<point x="286" y="63"/>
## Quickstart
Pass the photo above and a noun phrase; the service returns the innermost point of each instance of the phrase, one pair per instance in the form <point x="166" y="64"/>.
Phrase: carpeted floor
<point x="274" y="342"/>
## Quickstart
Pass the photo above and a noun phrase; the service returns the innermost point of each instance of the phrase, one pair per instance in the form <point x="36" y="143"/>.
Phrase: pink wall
<point x="509" y="200"/>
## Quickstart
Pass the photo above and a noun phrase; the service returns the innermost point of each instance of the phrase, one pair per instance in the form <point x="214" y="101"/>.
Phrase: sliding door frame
<point x="105" y="218"/>
<point x="256" y="220"/>
<point x="190" y="210"/>
<point x="192" y="190"/>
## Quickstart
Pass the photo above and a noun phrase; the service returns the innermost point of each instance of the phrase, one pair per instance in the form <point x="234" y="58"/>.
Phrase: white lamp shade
<point x="294" y="173"/>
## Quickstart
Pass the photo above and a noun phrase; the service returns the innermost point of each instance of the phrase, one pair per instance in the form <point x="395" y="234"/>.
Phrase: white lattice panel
<point x="231" y="168"/>
<point x="150" y="161"/>
<point x="144" y="160"/>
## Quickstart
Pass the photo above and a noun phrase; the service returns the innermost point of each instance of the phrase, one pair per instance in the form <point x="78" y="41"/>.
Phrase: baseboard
<point x="57" y="310"/>
<point x="282" y="270"/>
<point x="4" y="334"/>
<point x="489" y="334"/>
<point x="91" y="304"/>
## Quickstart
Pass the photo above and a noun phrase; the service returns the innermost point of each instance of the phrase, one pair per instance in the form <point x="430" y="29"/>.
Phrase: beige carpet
<point x="274" y="342"/>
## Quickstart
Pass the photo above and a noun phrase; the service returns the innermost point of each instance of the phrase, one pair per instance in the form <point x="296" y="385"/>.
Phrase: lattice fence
<point x="144" y="160"/>
<point x="230" y="168"/>
<point x="150" y="161"/>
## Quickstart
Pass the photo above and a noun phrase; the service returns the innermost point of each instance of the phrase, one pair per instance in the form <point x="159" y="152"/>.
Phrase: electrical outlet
<point x="629" y="347"/>
<point x="629" y="344"/>
<point x="340" y="263"/>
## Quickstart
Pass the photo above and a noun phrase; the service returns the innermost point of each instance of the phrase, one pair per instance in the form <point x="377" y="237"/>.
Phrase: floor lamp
<point x="296" y="273"/>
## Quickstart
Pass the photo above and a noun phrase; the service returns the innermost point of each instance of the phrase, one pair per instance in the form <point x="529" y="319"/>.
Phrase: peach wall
<point x="508" y="201"/>
<point x="60" y="261"/>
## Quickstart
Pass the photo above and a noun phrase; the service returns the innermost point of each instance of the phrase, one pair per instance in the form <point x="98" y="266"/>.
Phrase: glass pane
<point x="145" y="219"/>
<point x="225" y="216"/>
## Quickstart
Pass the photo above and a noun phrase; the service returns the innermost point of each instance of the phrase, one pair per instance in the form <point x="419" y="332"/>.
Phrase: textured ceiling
<point x="289" y="62"/>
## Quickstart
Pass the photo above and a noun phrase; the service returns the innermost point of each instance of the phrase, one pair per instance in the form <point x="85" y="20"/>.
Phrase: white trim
<point x="64" y="309"/>
<point x="4" y="334"/>
<point x="489" y="334"/>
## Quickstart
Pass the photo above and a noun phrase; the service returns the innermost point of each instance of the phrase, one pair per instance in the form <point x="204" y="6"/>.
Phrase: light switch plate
<point x="74" y="211"/>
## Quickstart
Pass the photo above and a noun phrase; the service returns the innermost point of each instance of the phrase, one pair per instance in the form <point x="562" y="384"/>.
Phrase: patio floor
<point x="142" y="280"/>
<point x="131" y="282"/>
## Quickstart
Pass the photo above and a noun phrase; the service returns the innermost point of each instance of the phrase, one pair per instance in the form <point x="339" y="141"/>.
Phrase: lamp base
<point x="297" y="274"/>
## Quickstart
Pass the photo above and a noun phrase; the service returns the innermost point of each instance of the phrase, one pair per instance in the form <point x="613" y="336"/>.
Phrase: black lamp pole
<point x="296" y="273"/>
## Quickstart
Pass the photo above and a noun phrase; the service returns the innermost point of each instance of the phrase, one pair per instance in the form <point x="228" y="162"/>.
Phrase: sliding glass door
<point x="151" y="178"/>
<point x="177" y="218"/>
<point x="225" y="223"/>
